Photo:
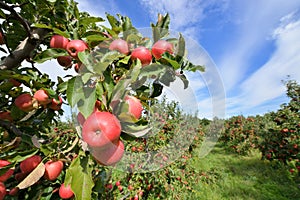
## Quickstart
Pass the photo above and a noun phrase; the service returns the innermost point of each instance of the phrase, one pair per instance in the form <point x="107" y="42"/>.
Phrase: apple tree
<point x="120" y="72"/>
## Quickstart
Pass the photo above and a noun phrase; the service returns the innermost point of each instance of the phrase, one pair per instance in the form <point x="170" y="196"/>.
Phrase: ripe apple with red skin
<point x="65" y="192"/>
<point x="109" y="155"/>
<point x="1" y="39"/>
<point x="14" y="82"/>
<point x="76" y="46"/>
<point x="78" y="67"/>
<point x="53" y="169"/>
<point x="42" y="97"/>
<point x="143" y="54"/>
<point x="2" y="191"/>
<point x="14" y="191"/>
<point x="135" y="106"/>
<point x="59" y="41"/>
<point x="65" y="61"/>
<point x="160" y="47"/>
<point x="5" y="115"/>
<point x="30" y="163"/>
<point x="56" y="105"/>
<point x="8" y="173"/>
<point x="100" y="129"/>
<point x="24" y="102"/>
<point x="20" y="176"/>
<point x="119" y="45"/>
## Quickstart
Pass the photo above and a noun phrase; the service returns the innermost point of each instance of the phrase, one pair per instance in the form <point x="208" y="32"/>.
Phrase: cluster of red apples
<point x="73" y="47"/>
<point x="26" y="102"/>
<point x="53" y="168"/>
<point x="102" y="130"/>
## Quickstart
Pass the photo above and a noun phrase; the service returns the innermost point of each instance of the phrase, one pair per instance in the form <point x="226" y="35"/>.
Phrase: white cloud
<point x="186" y="15"/>
<point x="265" y="84"/>
<point x="257" y="20"/>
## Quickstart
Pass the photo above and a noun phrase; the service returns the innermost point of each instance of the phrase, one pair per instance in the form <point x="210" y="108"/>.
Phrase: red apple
<point x="78" y="67"/>
<point x="160" y="47"/>
<point x="53" y="169"/>
<point x="20" y="176"/>
<point x="8" y="173"/>
<point x="24" y="102"/>
<point x="143" y="54"/>
<point x="14" y="191"/>
<point x="55" y="104"/>
<point x="80" y="118"/>
<point x="58" y="41"/>
<point x="14" y="82"/>
<point x="65" y="192"/>
<point x="30" y="163"/>
<point x="1" y="39"/>
<point x="65" y="61"/>
<point x="110" y="155"/>
<point x="100" y="129"/>
<point x="119" y="45"/>
<point x="5" y="115"/>
<point x="42" y="97"/>
<point x="135" y="106"/>
<point x="76" y="46"/>
<point x="2" y="191"/>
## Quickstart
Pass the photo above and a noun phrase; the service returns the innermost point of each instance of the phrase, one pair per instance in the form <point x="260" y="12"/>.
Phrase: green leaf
<point x="79" y="175"/>
<point x="89" y="20"/>
<point x="114" y="23"/>
<point x="87" y="102"/>
<point x="49" y="54"/>
<point x="180" y="52"/>
<point x="194" y="68"/>
<point x="135" y="130"/>
<point x="74" y="90"/>
<point x="184" y="80"/>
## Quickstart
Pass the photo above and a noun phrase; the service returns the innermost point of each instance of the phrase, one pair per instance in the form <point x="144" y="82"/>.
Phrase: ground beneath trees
<point x="225" y="175"/>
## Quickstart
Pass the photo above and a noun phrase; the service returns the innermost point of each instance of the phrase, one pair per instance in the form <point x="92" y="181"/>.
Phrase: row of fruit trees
<point x="124" y="141"/>
<point x="121" y="131"/>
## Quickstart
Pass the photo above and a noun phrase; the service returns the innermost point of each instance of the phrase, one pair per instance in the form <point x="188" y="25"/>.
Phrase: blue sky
<point x="253" y="45"/>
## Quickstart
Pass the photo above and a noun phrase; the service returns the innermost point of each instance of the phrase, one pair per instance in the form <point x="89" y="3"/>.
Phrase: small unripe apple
<point x="59" y="41"/>
<point x="76" y="46"/>
<point x="53" y="169"/>
<point x="143" y="54"/>
<point x="135" y="106"/>
<point x="8" y="173"/>
<point x="65" y="192"/>
<point x="2" y="191"/>
<point x="100" y="129"/>
<point x="110" y="155"/>
<point x="24" y="102"/>
<point x="65" y="61"/>
<point x="6" y="115"/>
<point x="119" y="45"/>
<point x="29" y="164"/>
<point x="42" y="97"/>
<point x="55" y="104"/>
<point x="160" y="47"/>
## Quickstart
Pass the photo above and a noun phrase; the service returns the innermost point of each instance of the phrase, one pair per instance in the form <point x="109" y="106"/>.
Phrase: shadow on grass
<point x="225" y="175"/>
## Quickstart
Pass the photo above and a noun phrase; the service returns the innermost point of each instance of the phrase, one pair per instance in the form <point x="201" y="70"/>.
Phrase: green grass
<point x="224" y="175"/>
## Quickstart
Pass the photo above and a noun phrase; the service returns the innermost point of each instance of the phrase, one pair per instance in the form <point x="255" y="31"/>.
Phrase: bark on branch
<point x="24" y="50"/>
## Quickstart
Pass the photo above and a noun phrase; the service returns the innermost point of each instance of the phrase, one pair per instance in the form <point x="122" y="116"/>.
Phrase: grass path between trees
<point x="225" y="175"/>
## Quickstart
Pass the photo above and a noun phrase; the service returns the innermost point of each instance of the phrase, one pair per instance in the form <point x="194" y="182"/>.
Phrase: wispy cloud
<point x="265" y="84"/>
<point x="186" y="15"/>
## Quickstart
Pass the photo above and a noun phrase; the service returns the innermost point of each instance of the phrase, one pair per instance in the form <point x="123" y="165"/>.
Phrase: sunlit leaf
<point x="79" y="175"/>
<point x="33" y="177"/>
